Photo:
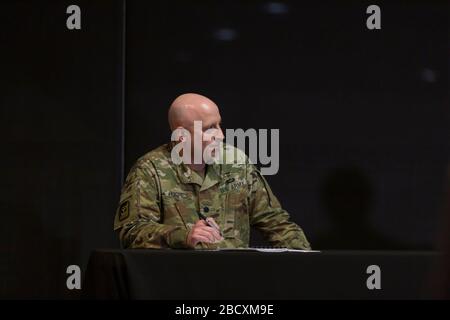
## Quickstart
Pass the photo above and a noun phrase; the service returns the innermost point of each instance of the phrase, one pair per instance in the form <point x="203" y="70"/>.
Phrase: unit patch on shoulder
<point x="124" y="210"/>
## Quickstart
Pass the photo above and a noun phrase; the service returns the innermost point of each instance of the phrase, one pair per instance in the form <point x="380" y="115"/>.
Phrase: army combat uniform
<point x="160" y="202"/>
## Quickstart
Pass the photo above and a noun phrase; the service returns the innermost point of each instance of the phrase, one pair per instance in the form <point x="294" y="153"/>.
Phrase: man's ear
<point x="182" y="138"/>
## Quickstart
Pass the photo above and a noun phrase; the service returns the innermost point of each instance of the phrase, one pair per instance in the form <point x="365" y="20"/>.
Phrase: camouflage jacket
<point x="160" y="202"/>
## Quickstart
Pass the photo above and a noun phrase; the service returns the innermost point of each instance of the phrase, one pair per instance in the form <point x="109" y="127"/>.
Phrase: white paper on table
<point x="268" y="249"/>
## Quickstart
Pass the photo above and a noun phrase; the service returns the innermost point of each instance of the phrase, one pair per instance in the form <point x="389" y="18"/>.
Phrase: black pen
<point x="208" y="222"/>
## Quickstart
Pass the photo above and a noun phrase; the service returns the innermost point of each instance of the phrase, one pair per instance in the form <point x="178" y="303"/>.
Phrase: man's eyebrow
<point x="212" y="123"/>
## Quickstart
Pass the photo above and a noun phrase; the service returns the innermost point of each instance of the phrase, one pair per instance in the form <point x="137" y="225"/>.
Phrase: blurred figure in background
<point x="347" y="197"/>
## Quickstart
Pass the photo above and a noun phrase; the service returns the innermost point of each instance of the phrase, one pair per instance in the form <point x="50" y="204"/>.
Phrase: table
<point x="242" y="275"/>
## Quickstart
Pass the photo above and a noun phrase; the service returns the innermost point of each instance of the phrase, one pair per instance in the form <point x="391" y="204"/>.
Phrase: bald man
<point x="197" y="205"/>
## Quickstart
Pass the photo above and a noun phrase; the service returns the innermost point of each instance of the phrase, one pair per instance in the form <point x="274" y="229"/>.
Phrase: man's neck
<point x="199" y="168"/>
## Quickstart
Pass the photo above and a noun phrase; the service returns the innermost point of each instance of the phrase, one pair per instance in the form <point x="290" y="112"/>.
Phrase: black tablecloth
<point x="184" y="274"/>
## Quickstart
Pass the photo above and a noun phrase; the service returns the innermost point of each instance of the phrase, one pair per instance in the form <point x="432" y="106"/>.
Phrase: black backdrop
<point x="363" y="116"/>
<point x="370" y="107"/>
<point x="61" y="105"/>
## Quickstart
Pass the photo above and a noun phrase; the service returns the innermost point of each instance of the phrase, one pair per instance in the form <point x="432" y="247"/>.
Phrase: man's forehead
<point x="206" y="113"/>
<point x="212" y="120"/>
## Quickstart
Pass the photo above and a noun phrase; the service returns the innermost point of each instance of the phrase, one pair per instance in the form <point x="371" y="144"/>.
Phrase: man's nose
<point x="219" y="135"/>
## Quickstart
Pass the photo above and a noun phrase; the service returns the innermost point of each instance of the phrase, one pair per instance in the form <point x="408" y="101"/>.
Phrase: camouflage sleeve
<point x="138" y="217"/>
<point x="267" y="215"/>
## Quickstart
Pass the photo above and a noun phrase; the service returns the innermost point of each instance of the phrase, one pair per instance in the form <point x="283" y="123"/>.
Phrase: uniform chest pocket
<point x="178" y="212"/>
<point x="235" y="211"/>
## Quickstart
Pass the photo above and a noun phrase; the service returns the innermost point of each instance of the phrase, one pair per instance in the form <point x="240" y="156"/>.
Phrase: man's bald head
<point x="190" y="107"/>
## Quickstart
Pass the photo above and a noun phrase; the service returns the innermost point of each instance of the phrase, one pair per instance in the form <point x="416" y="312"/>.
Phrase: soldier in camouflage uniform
<point x="160" y="200"/>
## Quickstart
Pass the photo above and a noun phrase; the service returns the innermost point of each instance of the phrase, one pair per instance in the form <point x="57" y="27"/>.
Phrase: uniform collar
<point x="186" y="174"/>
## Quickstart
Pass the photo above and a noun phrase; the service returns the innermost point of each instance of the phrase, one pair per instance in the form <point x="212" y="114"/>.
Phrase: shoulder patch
<point x="124" y="210"/>
<point x="229" y="180"/>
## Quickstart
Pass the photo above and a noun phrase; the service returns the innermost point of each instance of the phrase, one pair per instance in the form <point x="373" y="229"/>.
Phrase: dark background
<point x="61" y="112"/>
<point x="363" y="117"/>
